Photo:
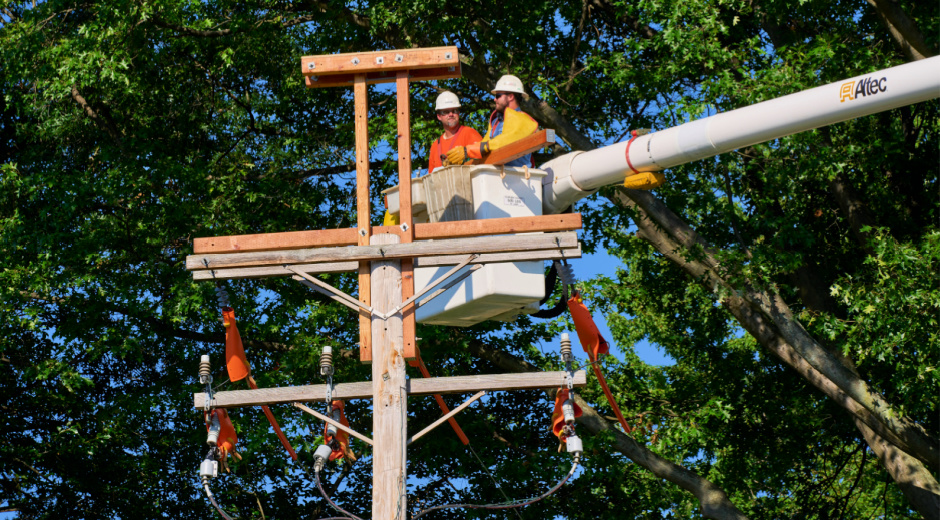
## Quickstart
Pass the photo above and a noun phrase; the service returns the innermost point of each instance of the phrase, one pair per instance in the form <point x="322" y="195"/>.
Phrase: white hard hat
<point x="447" y="100"/>
<point x="509" y="83"/>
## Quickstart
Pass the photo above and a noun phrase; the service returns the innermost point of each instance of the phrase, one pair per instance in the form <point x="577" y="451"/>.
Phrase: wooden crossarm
<point x="348" y="236"/>
<point x="519" y="148"/>
<point x="346" y="80"/>
<point x="329" y="70"/>
<point x="273" y="271"/>
<point x="436" y="385"/>
<point x="464" y="246"/>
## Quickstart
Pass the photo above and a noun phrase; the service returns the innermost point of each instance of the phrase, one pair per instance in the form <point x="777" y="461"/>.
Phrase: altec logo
<point x="862" y="88"/>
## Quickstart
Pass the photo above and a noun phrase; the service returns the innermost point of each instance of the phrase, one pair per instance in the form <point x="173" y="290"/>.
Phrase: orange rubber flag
<point x="238" y="369"/>
<point x="594" y="344"/>
<point x="235" y="359"/>
<point x="341" y="436"/>
<point x="591" y="340"/>
<point x="558" y="416"/>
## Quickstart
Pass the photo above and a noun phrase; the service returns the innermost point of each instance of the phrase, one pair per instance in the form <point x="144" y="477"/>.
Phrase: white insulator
<point x="209" y="468"/>
<point x="567" y="408"/>
<point x="326" y="361"/>
<point x="205" y="370"/>
<point x="330" y="428"/>
<point x="214" y="429"/>
<point x="321" y="456"/>
<point x="565" y="347"/>
<point x="573" y="444"/>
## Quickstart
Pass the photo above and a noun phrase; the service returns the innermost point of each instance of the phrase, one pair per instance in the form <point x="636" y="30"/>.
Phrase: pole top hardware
<point x="335" y="70"/>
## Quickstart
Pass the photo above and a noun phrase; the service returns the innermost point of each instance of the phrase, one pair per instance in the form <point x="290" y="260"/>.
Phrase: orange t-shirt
<point x="442" y="145"/>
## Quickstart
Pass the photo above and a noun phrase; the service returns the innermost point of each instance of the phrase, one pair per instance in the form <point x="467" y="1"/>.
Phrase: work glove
<point x="456" y="155"/>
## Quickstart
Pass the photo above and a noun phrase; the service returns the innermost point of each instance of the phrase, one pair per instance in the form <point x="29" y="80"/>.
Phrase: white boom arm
<point x="576" y="175"/>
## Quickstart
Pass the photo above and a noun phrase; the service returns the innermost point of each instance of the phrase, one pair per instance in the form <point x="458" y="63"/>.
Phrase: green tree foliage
<point x="129" y="128"/>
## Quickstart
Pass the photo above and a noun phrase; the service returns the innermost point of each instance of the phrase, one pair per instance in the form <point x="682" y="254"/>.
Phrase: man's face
<point x="502" y="100"/>
<point x="450" y="117"/>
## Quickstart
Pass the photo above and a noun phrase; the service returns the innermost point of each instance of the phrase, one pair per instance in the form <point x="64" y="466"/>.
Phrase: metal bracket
<point x="354" y="304"/>
<point x="434" y="284"/>
<point x="328" y="420"/>
<point x="328" y="290"/>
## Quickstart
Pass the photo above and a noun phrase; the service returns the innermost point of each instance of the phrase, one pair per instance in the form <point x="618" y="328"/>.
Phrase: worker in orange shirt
<point x="508" y="123"/>
<point x="455" y="134"/>
<point x="447" y="107"/>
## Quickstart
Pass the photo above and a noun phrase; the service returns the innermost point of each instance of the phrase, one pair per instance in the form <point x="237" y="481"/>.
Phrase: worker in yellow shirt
<point x="508" y="123"/>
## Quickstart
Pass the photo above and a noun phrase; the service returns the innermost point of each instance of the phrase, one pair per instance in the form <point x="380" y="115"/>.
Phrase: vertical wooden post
<point x="404" y="154"/>
<point x="405" y="211"/>
<point x="363" y="210"/>
<point x="389" y="405"/>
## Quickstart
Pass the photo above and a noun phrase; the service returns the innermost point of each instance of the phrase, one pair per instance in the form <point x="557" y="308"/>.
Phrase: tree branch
<point x="106" y="125"/>
<point x="902" y="29"/>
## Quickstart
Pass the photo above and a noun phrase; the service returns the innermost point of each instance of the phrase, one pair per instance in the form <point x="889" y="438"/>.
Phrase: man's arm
<point x="516" y="126"/>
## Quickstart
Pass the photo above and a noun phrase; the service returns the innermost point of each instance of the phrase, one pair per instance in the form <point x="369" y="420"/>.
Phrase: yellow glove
<point x="456" y="155"/>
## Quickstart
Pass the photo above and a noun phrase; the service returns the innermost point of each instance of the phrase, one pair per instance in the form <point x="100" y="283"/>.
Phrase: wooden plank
<point x="404" y="157"/>
<point x="409" y="326"/>
<point x="348" y="391"/>
<point x="347" y="237"/>
<point x="325" y="65"/>
<point x="273" y="241"/>
<point x="498" y="258"/>
<point x="405" y="211"/>
<point x="490" y="244"/>
<point x="363" y="201"/>
<point x="365" y="318"/>
<point x="374" y="78"/>
<point x="493" y="382"/>
<point x="363" y="211"/>
<point x="390" y="398"/>
<point x="273" y="271"/>
<point x="517" y="149"/>
<point x="498" y="226"/>
<point x="425" y="261"/>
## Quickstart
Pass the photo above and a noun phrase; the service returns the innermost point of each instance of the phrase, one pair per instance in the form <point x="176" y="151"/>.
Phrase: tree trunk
<point x="917" y="484"/>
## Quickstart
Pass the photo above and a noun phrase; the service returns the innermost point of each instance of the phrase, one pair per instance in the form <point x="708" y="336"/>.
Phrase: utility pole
<point x="385" y="257"/>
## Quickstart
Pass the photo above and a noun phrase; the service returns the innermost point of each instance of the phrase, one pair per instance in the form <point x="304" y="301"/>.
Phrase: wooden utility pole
<point x="385" y="258"/>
